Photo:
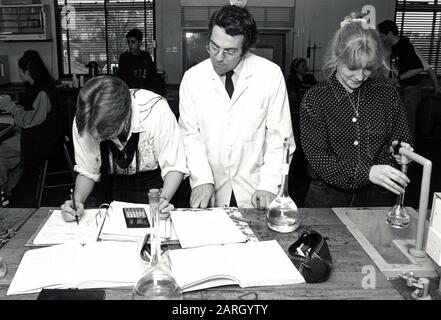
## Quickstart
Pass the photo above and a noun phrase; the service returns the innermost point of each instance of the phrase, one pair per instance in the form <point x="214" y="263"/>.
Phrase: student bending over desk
<point x="128" y="138"/>
<point x="38" y="128"/>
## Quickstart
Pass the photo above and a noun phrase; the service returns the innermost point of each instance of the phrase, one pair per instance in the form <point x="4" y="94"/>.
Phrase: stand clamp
<point x="421" y="286"/>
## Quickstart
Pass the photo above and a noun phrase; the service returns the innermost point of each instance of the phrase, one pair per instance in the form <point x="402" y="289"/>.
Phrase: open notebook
<point x="105" y="264"/>
<point x="248" y="264"/>
<point x="54" y="230"/>
<point x="96" y="225"/>
<point x="115" y="228"/>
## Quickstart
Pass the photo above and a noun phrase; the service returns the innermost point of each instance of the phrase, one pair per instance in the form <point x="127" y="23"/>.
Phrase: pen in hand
<point x="74" y="205"/>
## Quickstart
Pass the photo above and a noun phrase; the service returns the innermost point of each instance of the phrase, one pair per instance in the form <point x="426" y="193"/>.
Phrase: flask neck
<point x="283" y="192"/>
<point x="155" y="237"/>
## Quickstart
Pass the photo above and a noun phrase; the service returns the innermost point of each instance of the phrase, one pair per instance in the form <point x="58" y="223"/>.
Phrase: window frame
<point x="434" y="51"/>
<point x="59" y="40"/>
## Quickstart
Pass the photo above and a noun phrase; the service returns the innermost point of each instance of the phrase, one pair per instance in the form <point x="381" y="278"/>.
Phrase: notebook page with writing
<point x="196" y="228"/>
<point x="56" y="230"/>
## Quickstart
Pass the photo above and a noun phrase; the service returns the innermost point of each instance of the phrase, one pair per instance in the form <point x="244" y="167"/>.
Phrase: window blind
<point x="99" y="30"/>
<point x="420" y="21"/>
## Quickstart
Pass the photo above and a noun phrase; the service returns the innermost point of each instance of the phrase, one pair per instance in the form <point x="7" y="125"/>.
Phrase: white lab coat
<point x="236" y="143"/>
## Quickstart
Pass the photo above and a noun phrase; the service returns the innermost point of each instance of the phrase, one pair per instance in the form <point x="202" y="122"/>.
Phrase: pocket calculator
<point x="136" y="218"/>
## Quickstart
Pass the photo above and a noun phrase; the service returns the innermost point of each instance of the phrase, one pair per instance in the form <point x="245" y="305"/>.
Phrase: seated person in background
<point x="128" y="136"/>
<point x="348" y="123"/>
<point x="136" y="67"/>
<point x="38" y="126"/>
<point x="298" y="82"/>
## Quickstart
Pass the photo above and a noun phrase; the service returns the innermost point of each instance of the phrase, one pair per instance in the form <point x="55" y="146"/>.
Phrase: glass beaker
<point x="283" y="215"/>
<point x="398" y="217"/>
<point x="157" y="282"/>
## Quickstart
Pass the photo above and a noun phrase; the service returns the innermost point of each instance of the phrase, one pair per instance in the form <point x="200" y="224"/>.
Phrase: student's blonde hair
<point x="352" y="42"/>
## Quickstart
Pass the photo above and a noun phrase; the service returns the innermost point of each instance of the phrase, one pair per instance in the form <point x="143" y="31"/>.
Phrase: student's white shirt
<point x="160" y="141"/>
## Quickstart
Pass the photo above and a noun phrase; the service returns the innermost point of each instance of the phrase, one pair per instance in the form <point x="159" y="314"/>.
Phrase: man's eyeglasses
<point x="132" y="41"/>
<point x="214" y="50"/>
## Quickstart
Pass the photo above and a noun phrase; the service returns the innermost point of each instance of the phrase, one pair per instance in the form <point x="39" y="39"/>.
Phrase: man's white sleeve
<point x="279" y="127"/>
<point x="195" y="149"/>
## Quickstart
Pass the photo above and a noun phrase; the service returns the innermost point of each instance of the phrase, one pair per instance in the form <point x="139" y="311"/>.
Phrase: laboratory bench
<point x="351" y="264"/>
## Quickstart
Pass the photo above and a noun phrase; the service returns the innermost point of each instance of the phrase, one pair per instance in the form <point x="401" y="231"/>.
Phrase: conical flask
<point x="283" y="215"/>
<point x="157" y="282"/>
<point x="397" y="216"/>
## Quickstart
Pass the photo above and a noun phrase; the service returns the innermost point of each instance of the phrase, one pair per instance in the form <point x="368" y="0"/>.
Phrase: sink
<point x="388" y="247"/>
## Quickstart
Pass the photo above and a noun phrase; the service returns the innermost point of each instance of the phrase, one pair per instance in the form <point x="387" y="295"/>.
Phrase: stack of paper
<point x="115" y="227"/>
<point x="197" y="227"/>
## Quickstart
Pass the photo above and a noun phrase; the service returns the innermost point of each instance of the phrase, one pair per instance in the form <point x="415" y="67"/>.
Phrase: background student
<point x="37" y="119"/>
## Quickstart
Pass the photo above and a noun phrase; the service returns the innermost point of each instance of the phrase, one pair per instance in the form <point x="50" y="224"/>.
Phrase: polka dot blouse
<point x="344" y="134"/>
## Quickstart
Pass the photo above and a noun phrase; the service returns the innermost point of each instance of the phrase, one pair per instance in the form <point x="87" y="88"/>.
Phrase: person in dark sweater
<point x="38" y="126"/>
<point x="136" y="66"/>
<point x="408" y="65"/>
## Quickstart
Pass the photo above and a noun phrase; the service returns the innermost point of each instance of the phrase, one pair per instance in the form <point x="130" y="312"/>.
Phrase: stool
<point x="44" y="173"/>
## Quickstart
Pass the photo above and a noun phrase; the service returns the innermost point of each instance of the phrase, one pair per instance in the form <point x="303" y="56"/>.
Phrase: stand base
<point x="421" y="266"/>
<point x="428" y="297"/>
<point x="387" y="247"/>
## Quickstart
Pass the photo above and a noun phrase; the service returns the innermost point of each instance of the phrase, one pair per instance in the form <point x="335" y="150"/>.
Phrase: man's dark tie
<point x="229" y="86"/>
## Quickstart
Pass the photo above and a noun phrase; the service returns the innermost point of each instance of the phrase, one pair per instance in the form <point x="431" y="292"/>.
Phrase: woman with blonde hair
<point x="349" y="122"/>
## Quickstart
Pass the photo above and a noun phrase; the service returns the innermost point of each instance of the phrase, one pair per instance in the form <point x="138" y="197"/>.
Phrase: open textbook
<point x="248" y="264"/>
<point x="105" y="264"/>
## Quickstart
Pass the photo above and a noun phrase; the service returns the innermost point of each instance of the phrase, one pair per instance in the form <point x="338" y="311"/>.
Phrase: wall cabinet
<point x="25" y="22"/>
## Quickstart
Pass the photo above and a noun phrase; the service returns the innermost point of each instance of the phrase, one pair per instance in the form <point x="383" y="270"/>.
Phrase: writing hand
<point x="389" y="178"/>
<point x="261" y="199"/>
<point x="68" y="212"/>
<point x="202" y="196"/>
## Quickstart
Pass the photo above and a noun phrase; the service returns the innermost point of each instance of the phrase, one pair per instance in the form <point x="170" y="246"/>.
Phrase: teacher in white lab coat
<point x="234" y="116"/>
